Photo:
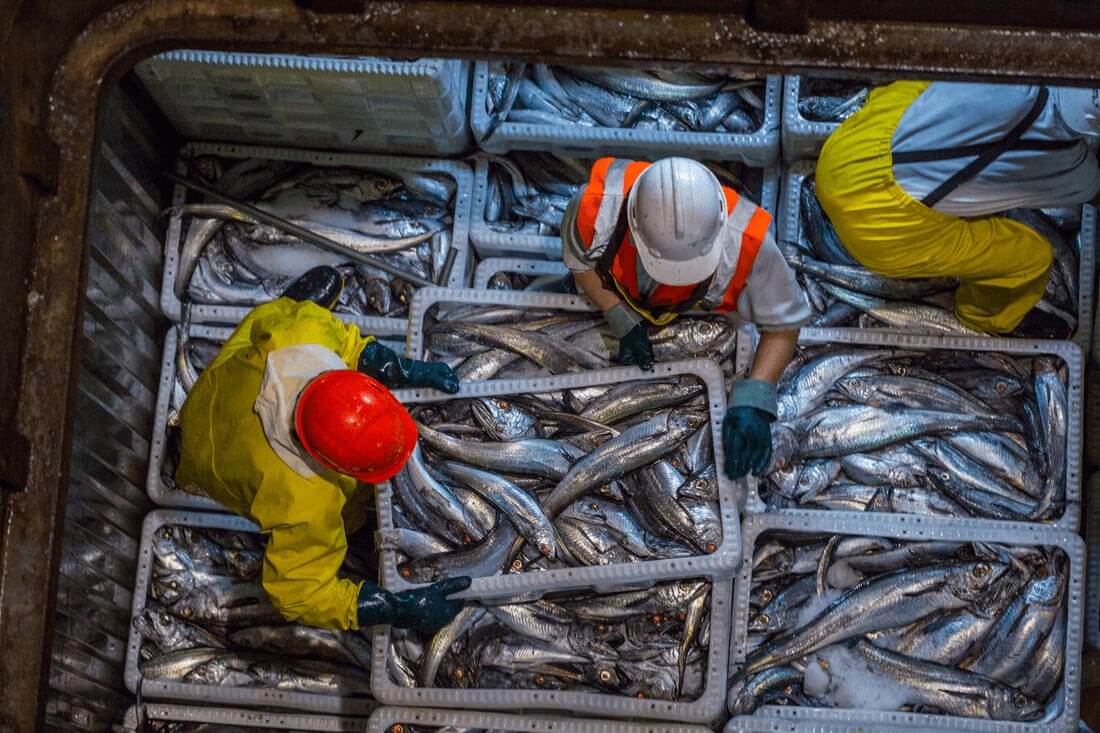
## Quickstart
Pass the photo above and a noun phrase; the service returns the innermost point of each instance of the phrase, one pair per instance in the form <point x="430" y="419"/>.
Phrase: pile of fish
<point x="528" y="192"/>
<point x="650" y="644"/>
<point x="507" y="342"/>
<point x="970" y="630"/>
<point x="208" y="621"/>
<point x="831" y="100"/>
<point x="592" y="476"/>
<point x="403" y="218"/>
<point x="940" y="433"/>
<point x="844" y="293"/>
<point x="668" y="101"/>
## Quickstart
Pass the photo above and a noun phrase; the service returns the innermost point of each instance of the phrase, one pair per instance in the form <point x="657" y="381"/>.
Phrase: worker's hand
<point x="427" y="610"/>
<point x="635" y="348"/>
<point x="395" y="372"/>
<point x="322" y="285"/>
<point x="747" y="441"/>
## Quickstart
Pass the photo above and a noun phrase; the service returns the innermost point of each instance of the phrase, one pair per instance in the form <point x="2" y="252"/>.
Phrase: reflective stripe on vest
<point x="599" y="211"/>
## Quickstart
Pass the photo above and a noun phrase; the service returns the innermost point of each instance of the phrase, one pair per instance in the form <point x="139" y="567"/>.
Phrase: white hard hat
<point x="1079" y="109"/>
<point x="676" y="211"/>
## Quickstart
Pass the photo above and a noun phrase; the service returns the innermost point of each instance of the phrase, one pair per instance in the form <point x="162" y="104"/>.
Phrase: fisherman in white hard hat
<point x="647" y="242"/>
<point x="917" y="184"/>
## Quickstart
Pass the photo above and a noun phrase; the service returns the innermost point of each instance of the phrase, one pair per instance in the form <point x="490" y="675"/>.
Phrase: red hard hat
<point x="352" y="424"/>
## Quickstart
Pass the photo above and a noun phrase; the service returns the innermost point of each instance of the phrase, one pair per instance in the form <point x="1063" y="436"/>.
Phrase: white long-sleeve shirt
<point x="952" y="114"/>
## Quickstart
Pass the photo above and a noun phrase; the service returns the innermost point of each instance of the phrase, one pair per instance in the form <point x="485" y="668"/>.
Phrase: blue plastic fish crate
<point x="170" y="398"/>
<point x="488" y="242"/>
<point x="351" y="103"/>
<point x="1068" y="352"/>
<point x="759" y="148"/>
<point x="384" y="718"/>
<point x="267" y="697"/>
<point x="720" y="564"/>
<point x="790" y="232"/>
<point x="1092" y="538"/>
<point x="235" y="718"/>
<point x="461" y="271"/>
<point x="705" y="710"/>
<point x="485" y="269"/>
<point x="917" y="529"/>
<point x="802" y="138"/>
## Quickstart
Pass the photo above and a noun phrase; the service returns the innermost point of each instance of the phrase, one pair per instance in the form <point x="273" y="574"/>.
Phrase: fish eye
<point x="788" y="690"/>
<point x="656" y="619"/>
<point x="593" y="506"/>
<point x="517" y="565"/>
<point x="459" y="673"/>
<point x="981" y="570"/>
<point x="544" y="549"/>
<point x="186" y="612"/>
<point x="540" y="680"/>
<point x="397" y="728"/>
<point x="1001" y="388"/>
<point x="502" y="404"/>
<point x="767" y="595"/>
<point x="640" y="696"/>
<point x="605" y="675"/>
<point x="711" y="548"/>
<point x="763" y="618"/>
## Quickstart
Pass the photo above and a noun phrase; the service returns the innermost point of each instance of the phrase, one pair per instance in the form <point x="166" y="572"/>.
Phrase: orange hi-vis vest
<point x="601" y="226"/>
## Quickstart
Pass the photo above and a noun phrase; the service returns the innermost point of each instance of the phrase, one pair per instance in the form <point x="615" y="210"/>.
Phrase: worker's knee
<point x="1036" y="256"/>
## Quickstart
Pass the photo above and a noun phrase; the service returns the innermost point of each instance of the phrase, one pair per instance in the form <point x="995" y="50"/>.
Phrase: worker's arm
<point x="305" y="549"/>
<point x="773" y="300"/>
<point x="625" y="324"/>
<point x="773" y="354"/>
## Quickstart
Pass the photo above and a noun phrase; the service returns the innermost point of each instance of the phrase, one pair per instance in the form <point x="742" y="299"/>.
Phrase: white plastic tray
<point x="213" y="694"/>
<point x="1092" y="538"/>
<point x="228" y="314"/>
<point x="707" y="709"/>
<point x="382" y="720"/>
<point x="490" y="243"/>
<point x="759" y="148"/>
<point x="1067" y="351"/>
<point x="491" y="266"/>
<point x="915" y="529"/>
<point x="720" y="564"/>
<point x="237" y="718"/>
<point x="352" y="103"/>
<point x="790" y="230"/>
<point x="158" y="491"/>
<point x="801" y="138"/>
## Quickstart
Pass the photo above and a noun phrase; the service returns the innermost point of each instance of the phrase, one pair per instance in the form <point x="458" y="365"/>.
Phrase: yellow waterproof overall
<point x="1002" y="265"/>
<point x="226" y="456"/>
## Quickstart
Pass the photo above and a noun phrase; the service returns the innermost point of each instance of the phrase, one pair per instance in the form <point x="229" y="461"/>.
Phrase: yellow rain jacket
<point x="226" y="456"/>
<point x="1002" y="265"/>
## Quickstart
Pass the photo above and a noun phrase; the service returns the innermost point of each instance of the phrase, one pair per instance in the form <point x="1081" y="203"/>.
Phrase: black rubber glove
<point x="394" y="371"/>
<point x="322" y="285"/>
<point x="634" y="348"/>
<point x="747" y="441"/>
<point x="425" y="609"/>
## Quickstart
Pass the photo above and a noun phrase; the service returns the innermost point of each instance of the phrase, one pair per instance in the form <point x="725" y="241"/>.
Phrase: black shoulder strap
<point x="990" y="153"/>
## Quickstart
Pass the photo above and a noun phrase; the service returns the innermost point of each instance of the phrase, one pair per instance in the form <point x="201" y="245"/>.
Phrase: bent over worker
<point x="913" y="180"/>
<point x="647" y="242"/>
<point x="285" y="426"/>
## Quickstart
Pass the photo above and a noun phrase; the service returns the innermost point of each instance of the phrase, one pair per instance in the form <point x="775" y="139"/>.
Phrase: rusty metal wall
<point x="120" y="353"/>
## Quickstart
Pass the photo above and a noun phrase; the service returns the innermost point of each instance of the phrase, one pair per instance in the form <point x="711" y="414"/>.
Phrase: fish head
<point x="589" y="510"/>
<point x="171" y="587"/>
<point x="605" y="676"/>
<point x="371" y="188"/>
<point x="502" y="419"/>
<point x="1007" y="703"/>
<point x="699" y="336"/>
<point x="1048" y="584"/>
<point x="686" y="421"/>
<point x="156" y="625"/>
<point x="612" y="490"/>
<point x="784" y="447"/>
<point x="971" y="581"/>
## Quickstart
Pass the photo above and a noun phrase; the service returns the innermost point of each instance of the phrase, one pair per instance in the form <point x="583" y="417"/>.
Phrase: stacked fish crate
<point x="910" y="557"/>
<point x="616" y="549"/>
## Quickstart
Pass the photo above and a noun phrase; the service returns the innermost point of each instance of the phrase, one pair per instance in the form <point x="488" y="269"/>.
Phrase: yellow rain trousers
<point x="226" y="456"/>
<point x="1002" y="265"/>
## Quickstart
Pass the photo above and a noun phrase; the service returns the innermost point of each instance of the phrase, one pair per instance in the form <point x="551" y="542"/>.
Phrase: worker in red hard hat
<point x="649" y="241"/>
<point x="285" y="426"/>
